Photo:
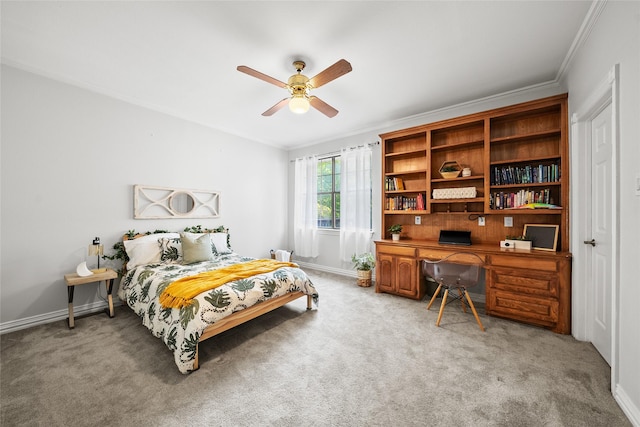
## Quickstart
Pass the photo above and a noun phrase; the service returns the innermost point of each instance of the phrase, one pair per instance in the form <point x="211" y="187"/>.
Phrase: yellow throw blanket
<point x="181" y="292"/>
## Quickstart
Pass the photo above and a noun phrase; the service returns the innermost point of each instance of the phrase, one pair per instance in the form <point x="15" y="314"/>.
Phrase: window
<point x="329" y="192"/>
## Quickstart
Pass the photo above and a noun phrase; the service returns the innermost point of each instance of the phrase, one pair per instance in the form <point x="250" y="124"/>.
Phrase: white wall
<point x="69" y="160"/>
<point x="615" y="39"/>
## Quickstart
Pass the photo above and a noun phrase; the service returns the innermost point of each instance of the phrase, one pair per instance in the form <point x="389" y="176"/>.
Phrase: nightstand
<point x="74" y="280"/>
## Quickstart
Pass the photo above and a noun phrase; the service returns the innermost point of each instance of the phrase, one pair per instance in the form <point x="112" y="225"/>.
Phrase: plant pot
<point x="395" y="237"/>
<point x="445" y="171"/>
<point x="364" y="278"/>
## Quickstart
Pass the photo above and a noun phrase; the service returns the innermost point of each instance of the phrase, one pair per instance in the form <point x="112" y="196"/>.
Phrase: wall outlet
<point x="418" y="220"/>
<point x="481" y="221"/>
<point x="508" y="221"/>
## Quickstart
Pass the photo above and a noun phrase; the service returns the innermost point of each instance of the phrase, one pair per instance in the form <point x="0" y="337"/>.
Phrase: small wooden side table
<point x="74" y="280"/>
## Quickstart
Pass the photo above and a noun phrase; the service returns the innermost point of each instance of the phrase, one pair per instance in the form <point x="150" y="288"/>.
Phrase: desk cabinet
<point x="528" y="286"/>
<point x="524" y="295"/>
<point x="398" y="272"/>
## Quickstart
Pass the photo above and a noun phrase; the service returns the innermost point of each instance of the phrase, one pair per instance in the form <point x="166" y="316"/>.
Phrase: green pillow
<point x="196" y="247"/>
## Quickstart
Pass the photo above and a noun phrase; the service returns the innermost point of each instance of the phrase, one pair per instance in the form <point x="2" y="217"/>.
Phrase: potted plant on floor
<point x="364" y="263"/>
<point x="395" y="231"/>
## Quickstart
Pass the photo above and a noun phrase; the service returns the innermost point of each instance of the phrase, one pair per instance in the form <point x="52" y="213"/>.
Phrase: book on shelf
<point x="529" y="174"/>
<point x="404" y="203"/>
<point x="541" y="199"/>
<point x="420" y="202"/>
<point x="393" y="184"/>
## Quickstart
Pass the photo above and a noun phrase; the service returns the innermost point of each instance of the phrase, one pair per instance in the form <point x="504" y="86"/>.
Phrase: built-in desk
<point x="530" y="286"/>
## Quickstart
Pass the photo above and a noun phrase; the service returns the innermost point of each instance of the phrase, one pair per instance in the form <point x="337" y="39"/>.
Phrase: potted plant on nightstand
<point x="395" y="231"/>
<point x="364" y="263"/>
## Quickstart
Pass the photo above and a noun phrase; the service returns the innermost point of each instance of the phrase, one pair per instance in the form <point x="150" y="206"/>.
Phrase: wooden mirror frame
<point x="151" y="202"/>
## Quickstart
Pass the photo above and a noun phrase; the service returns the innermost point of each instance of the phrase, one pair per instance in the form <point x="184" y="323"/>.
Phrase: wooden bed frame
<point x="247" y="314"/>
<point x="243" y="316"/>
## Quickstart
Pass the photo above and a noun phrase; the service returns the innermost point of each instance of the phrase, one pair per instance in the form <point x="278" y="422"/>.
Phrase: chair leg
<point x="435" y="295"/>
<point x="444" y="302"/>
<point x="464" y="306"/>
<point x="473" y="308"/>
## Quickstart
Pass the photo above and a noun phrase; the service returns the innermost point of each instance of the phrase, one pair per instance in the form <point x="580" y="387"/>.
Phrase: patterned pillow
<point x="144" y="250"/>
<point x="170" y="250"/>
<point x="220" y="243"/>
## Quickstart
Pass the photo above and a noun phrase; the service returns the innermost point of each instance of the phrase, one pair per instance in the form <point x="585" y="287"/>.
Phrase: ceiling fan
<point x="300" y="85"/>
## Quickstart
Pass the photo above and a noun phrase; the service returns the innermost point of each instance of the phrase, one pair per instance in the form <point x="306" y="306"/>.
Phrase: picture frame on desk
<point x="543" y="236"/>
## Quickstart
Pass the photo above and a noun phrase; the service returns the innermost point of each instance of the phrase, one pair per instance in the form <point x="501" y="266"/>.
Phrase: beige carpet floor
<point x="359" y="359"/>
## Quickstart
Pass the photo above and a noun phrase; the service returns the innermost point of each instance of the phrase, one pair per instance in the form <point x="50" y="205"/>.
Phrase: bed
<point x="161" y="263"/>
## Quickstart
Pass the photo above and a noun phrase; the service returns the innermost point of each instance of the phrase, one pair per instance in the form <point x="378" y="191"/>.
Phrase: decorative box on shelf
<point x="515" y="244"/>
<point x="450" y="169"/>
<point x="454" y="193"/>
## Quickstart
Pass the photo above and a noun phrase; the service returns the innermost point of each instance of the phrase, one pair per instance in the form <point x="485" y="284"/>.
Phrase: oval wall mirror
<point x="182" y="202"/>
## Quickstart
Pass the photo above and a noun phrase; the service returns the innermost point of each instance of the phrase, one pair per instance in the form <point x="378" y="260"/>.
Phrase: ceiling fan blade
<point x="333" y="72"/>
<point x="261" y="76"/>
<point x="276" y="107"/>
<point x="322" y="106"/>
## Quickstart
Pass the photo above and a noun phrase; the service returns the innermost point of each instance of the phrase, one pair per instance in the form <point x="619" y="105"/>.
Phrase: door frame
<point x="607" y="92"/>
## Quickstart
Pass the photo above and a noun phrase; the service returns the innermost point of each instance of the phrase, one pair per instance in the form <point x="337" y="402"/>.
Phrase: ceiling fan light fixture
<point x="299" y="104"/>
<point x="299" y="87"/>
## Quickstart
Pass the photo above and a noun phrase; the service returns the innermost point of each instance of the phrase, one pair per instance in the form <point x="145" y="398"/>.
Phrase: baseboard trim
<point x="475" y="297"/>
<point x="94" y="307"/>
<point x="97" y="306"/>
<point x="54" y="316"/>
<point x="324" y="268"/>
<point x="626" y="404"/>
<point x="41" y="319"/>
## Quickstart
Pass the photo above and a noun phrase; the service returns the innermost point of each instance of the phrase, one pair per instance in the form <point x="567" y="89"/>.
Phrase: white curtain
<point x="355" y="201"/>
<point x="305" y="215"/>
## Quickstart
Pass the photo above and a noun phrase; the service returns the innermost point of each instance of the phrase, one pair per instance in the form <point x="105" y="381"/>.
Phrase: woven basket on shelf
<point x="364" y="278"/>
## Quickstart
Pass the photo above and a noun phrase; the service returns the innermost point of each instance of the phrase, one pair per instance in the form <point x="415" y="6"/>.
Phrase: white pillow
<point x="219" y="240"/>
<point x="145" y="250"/>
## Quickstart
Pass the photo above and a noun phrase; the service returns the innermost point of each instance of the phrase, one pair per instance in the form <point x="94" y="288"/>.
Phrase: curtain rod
<point x="334" y="153"/>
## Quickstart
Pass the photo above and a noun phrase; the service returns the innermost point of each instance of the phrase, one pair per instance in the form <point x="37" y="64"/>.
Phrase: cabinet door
<point x="406" y="276"/>
<point x="385" y="273"/>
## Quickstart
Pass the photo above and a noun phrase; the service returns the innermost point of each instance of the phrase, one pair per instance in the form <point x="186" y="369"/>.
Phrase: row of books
<point x="402" y="203"/>
<point x="393" y="184"/>
<point x="522" y="198"/>
<point x="529" y="174"/>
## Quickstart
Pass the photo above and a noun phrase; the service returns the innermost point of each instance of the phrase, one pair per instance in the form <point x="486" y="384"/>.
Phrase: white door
<point x="601" y="230"/>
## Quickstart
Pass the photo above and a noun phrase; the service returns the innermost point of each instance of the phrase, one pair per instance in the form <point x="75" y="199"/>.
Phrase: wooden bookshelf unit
<point x="518" y="162"/>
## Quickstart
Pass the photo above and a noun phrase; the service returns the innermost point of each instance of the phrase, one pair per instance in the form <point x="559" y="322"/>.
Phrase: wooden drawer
<point x="396" y="250"/>
<point x="524" y="262"/>
<point x="530" y="309"/>
<point x="524" y="282"/>
<point x="434" y="254"/>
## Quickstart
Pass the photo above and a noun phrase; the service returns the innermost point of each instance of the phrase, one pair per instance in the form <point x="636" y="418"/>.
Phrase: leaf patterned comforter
<point x="180" y="329"/>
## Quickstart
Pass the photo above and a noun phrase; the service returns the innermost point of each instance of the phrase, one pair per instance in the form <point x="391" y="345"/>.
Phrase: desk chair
<point x="456" y="271"/>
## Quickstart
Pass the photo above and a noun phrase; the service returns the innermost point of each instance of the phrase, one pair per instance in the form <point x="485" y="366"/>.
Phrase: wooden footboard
<point x="247" y="314"/>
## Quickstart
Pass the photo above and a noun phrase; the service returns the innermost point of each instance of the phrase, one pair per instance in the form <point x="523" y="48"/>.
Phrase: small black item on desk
<point x="455" y="237"/>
